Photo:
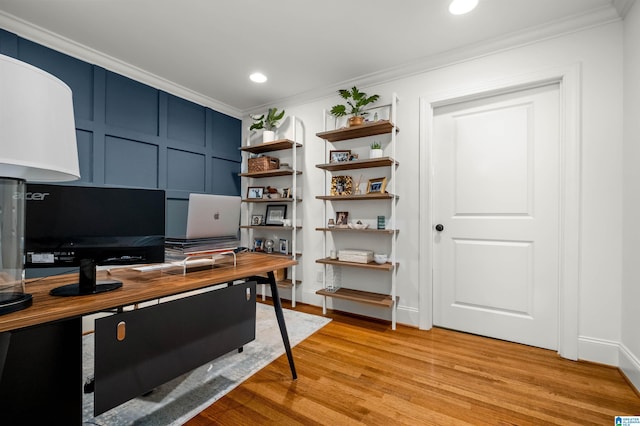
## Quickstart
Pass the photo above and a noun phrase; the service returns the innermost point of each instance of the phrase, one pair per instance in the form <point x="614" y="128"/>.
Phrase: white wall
<point x="598" y="51"/>
<point x="630" y="348"/>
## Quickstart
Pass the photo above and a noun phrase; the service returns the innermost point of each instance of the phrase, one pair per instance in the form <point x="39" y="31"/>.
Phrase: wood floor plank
<point x="359" y="371"/>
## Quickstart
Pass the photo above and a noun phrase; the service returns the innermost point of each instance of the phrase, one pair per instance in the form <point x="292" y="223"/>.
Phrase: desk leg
<point x="277" y="306"/>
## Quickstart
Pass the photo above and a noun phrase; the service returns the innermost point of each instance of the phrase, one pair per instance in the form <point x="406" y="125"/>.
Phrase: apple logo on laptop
<point x="216" y="216"/>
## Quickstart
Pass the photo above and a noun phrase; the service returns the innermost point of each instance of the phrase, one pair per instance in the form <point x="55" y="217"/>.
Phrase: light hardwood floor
<point x="359" y="371"/>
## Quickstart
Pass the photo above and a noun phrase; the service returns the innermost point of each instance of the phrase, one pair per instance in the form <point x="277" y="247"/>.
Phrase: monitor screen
<point x="83" y="226"/>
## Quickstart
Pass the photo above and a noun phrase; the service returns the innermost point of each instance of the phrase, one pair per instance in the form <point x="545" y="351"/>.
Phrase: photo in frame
<point x="255" y="192"/>
<point x="275" y="214"/>
<point x="377" y="185"/>
<point x="257" y="244"/>
<point x="283" y="246"/>
<point x="286" y="193"/>
<point x="342" y="219"/>
<point x="339" y="156"/>
<point x="341" y="185"/>
<point x="256" y="219"/>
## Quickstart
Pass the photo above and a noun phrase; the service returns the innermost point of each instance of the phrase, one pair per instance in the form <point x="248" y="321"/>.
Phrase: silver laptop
<point x="213" y="216"/>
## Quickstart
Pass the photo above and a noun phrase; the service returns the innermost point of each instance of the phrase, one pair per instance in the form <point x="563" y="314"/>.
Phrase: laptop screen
<point x="213" y="216"/>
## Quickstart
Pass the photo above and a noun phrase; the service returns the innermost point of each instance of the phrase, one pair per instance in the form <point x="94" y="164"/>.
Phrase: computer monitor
<point x="84" y="226"/>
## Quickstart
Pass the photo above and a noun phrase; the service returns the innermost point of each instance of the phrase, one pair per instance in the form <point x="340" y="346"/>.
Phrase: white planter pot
<point x="268" y="136"/>
<point x="375" y="153"/>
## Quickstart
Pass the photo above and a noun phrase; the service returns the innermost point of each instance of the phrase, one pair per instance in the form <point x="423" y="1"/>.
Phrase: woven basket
<point x="262" y="164"/>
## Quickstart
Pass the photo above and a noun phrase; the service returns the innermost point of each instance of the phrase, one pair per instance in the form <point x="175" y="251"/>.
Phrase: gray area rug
<point x="179" y="400"/>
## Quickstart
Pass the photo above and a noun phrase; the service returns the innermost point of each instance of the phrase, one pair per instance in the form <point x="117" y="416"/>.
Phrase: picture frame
<point x="283" y="246"/>
<point x="286" y="193"/>
<point x="341" y="185"/>
<point x="339" y="155"/>
<point x="257" y="219"/>
<point x="342" y="219"/>
<point x="275" y="214"/>
<point x="255" y="192"/>
<point x="257" y="244"/>
<point x="377" y="185"/>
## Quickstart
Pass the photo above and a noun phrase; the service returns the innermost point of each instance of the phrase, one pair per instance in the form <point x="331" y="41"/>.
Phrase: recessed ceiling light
<point x="460" y="7"/>
<point x="258" y="77"/>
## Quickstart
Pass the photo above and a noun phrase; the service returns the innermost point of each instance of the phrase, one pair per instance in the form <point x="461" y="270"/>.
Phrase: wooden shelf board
<point x="367" y="129"/>
<point x="278" y="145"/>
<point x="269" y="173"/>
<point x="368" y="230"/>
<point x="388" y="266"/>
<point x="377" y="299"/>
<point x="358" y="164"/>
<point x="378" y="196"/>
<point x="287" y="283"/>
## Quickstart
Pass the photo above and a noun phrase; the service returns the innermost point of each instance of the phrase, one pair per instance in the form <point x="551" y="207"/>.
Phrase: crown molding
<point x="623" y="6"/>
<point x="62" y="44"/>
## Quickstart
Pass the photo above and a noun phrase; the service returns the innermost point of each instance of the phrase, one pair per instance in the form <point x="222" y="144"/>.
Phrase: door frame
<point x="568" y="79"/>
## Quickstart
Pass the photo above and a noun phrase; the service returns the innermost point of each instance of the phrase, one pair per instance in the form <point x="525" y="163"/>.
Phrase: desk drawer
<point x="138" y="350"/>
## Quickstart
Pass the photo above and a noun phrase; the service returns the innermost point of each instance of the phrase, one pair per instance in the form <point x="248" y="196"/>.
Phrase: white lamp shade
<point x="37" y="128"/>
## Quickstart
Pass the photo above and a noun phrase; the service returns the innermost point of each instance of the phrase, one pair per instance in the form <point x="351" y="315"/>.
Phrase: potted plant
<point x="356" y="101"/>
<point x="268" y="122"/>
<point x="375" y="150"/>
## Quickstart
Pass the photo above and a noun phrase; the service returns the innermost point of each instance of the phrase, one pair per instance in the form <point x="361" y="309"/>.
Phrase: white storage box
<point x="356" y="256"/>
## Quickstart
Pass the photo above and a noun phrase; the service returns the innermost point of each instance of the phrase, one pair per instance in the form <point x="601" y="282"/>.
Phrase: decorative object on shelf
<point x="263" y="164"/>
<point x="380" y="258"/>
<point x="257" y="244"/>
<point x="268" y="246"/>
<point x="286" y="193"/>
<point x="358" y="225"/>
<point x="355" y="256"/>
<point x="341" y="185"/>
<point x="339" y="156"/>
<point x="270" y="192"/>
<point x="377" y="185"/>
<point x="375" y="150"/>
<point x="275" y="214"/>
<point x="268" y="122"/>
<point x="381" y="223"/>
<point x="342" y="219"/>
<point x="256" y="219"/>
<point x="357" y="190"/>
<point x="255" y="192"/>
<point x="283" y="246"/>
<point x="333" y="255"/>
<point x="331" y="223"/>
<point x="356" y="101"/>
<point x="286" y="222"/>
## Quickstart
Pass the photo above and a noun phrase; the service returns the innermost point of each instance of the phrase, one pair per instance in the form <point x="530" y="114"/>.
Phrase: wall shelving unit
<point x="252" y="206"/>
<point x="388" y="164"/>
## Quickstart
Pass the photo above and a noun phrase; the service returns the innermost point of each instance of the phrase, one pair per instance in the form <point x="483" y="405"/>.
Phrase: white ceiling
<point x="205" y="49"/>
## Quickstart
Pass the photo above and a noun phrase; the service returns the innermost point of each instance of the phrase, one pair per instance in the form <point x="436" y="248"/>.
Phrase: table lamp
<point x="37" y="143"/>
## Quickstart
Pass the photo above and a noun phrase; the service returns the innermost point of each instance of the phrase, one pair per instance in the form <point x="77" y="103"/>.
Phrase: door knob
<point x="439" y="228"/>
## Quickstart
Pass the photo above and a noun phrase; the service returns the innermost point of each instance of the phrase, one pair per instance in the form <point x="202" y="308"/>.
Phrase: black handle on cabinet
<point x="439" y="228"/>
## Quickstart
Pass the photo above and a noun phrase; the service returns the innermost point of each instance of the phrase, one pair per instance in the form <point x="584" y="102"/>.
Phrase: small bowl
<point x="380" y="258"/>
<point x="358" y="225"/>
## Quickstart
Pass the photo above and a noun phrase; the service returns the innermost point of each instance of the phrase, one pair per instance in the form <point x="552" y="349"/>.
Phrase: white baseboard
<point x="598" y="350"/>
<point x="630" y="366"/>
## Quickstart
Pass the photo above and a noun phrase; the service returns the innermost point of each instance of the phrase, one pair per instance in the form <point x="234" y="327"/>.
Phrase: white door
<point x="496" y="199"/>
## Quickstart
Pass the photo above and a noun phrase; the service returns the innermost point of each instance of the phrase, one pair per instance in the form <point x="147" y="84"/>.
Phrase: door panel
<point x="496" y="193"/>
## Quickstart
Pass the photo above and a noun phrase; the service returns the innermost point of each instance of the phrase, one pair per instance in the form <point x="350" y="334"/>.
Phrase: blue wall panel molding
<point x="133" y="135"/>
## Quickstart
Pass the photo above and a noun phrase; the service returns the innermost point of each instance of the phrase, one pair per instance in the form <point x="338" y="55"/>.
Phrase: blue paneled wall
<point x="133" y="135"/>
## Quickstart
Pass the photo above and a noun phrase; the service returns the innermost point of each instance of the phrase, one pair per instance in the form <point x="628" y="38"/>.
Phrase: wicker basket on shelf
<point x="263" y="164"/>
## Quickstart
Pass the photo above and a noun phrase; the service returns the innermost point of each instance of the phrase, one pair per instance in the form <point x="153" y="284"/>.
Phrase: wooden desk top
<point x="136" y="287"/>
